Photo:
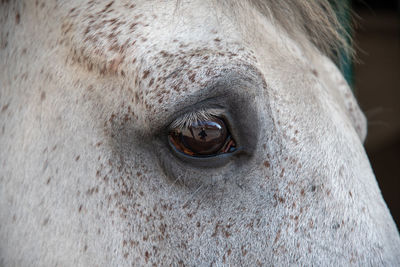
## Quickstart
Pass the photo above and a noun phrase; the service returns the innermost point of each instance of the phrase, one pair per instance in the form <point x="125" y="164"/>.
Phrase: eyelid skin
<point x="227" y="82"/>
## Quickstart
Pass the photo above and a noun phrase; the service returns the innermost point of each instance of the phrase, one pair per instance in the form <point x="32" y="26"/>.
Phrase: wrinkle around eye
<point x="231" y="83"/>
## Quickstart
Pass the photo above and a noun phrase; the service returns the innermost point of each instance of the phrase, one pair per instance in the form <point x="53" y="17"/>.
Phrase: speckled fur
<point x="87" y="89"/>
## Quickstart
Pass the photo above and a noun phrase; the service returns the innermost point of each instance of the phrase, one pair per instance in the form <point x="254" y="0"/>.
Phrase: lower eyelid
<point x="208" y="162"/>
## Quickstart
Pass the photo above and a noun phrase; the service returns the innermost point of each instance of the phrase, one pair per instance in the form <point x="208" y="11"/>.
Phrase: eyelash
<point x="194" y="116"/>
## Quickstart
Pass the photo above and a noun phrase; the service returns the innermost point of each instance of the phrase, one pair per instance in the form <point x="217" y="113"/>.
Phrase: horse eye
<point x="203" y="138"/>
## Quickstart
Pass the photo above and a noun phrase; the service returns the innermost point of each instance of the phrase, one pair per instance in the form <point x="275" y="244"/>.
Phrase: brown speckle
<point x="145" y="74"/>
<point x="17" y="18"/>
<point x="314" y="72"/>
<point x="278" y="235"/>
<point x="282" y="172"/>
<point x="311" y="223"/>
<point x="192" y="77"/>
<point x="313" y="188"/>
<point x="4" y="108"/>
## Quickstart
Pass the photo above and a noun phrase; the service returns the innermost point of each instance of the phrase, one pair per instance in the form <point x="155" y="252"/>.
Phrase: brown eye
<point x="203" y="138"/>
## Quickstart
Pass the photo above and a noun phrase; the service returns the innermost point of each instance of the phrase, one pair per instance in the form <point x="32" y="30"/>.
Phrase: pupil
<point x="203" y="134"/>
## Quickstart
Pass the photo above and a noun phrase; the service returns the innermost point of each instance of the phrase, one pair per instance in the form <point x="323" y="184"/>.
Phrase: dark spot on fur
<point x="278" y="235"/>
<point x="192" y="77"/>
<point x="5" y="107"/>
<point x="267" y="164"/>
<point x="311" y="223"/>
<point x="17" y="18"/>
<point x="314" y="72"/>
<point x="145" y="74"/>
<point x="151" y="82"/>
<point x="313" y="188"/>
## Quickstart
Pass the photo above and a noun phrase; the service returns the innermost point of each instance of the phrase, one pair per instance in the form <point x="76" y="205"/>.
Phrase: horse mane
<point x="314" y="19"/>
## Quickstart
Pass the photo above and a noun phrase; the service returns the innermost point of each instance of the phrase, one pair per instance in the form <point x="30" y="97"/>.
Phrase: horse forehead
<point x="146" y="30"/>
<point x="167" y="50"/>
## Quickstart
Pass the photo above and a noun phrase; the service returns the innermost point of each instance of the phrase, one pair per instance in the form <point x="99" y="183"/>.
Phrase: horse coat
<point x="92" y="93"/>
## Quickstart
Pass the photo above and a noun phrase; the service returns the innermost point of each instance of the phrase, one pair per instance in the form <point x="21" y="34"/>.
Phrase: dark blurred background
<point x="377" y="88"/>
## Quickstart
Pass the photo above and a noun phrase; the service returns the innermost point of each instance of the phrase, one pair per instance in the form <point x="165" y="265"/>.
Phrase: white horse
<point x="195" y="132"/>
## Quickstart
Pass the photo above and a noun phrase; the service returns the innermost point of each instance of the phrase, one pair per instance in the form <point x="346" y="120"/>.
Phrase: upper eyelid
<point x="218" y="92"/>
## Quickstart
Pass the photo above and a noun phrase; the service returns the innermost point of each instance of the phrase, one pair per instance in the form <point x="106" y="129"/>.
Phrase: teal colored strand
<point x="345" y="63"/>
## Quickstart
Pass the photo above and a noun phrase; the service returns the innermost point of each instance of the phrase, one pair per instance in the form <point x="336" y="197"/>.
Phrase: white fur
<point x="83" y="181"/>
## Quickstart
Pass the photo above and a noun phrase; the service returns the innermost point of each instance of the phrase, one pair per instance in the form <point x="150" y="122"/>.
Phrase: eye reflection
<point x="203" y="138"/>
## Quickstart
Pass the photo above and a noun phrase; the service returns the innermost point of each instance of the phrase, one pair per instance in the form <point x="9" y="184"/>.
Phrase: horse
<point x="183" y="133"/>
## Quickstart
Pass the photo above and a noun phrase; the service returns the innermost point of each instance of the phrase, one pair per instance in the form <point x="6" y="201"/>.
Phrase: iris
<point x="203" y="138"/>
